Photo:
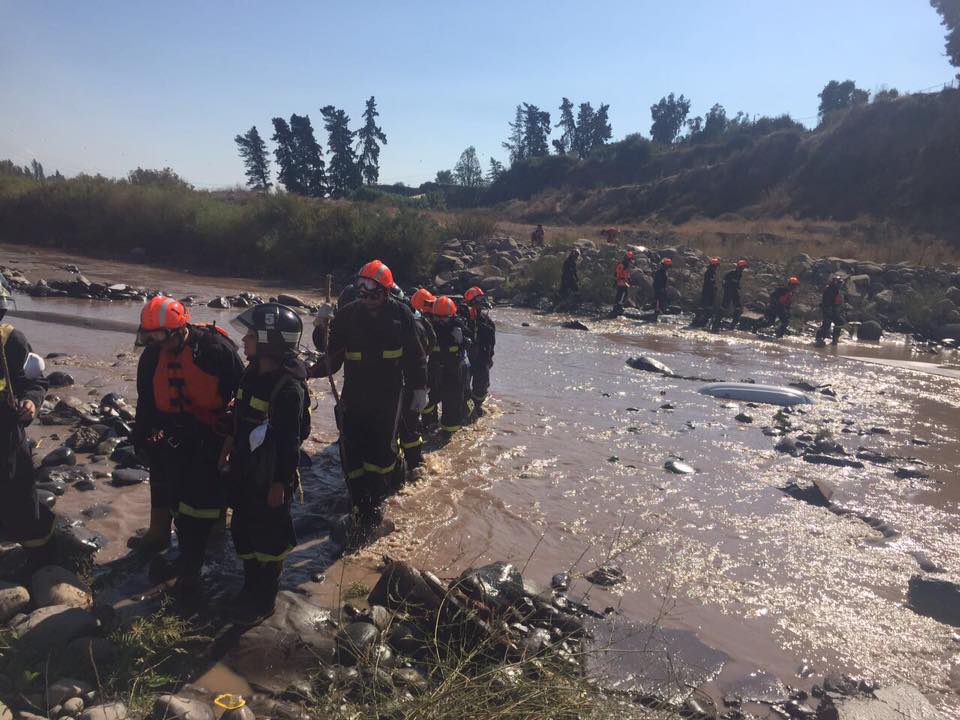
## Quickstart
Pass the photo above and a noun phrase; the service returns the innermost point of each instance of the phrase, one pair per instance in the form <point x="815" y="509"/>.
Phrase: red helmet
<point x="666" y="262"/>
<point x="163" y="313"/>
<point x="444" y="307"/>
<point x="794" y="281"/>
<point x="378" y="272"/>
<point x="422" y="300"/>
<point x="742" y="263"/>
<point x="629" y="255"/>
<point x="472" y="294"/>
<point x="714" y="261"/>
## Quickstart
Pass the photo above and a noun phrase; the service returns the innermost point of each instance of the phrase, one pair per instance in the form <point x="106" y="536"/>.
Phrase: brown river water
<point x="566" y="471"/>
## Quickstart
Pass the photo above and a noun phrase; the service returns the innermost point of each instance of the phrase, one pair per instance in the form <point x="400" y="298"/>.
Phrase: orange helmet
<point x="422" y="299"/>
<point x="666" y="262"/>
<point x="444" y="307"/>
<point x="472" y="294"/>
<point x="742" y="263"/>
<point x="163" y="313"/>
<point x="714" y="261"/>
<point x="378" y="272"/>
<point x="794" y="281"/>
<point x="629" y="255"/>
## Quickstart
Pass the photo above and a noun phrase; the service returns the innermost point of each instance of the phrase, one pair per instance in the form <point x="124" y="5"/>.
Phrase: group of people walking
<point x="710" y="312"/>
<point x="218" y="433"/>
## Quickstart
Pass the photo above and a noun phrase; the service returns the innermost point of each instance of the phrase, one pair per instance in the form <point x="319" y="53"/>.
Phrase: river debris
<point x="649" y="364"/>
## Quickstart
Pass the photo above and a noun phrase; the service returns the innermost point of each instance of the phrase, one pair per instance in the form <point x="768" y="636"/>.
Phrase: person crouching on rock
<point x="271" y="419"/>
<point x="186" y="376"/>
<point x="781" y="302"/>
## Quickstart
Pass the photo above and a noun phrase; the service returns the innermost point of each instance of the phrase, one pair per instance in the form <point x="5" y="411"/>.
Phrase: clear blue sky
<point x="105" y="86"/>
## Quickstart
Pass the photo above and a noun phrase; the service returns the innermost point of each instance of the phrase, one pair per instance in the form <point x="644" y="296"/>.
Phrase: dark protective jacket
<point x="281" y="399"/>
<point x="782" y="296"/>
<point x="710" y="282"/>
<point x="731" y="280"/>
<point x="452" y="340"/>
<point x="380" y="352"/>
<point x="832" y="296"/>
<point x="428" y="336"/>
<point x="660" y="280"/>
<point x="570" y="279"/>
<point x="17" y="387"/>
<point x="484" y="335"/>
<point x="187" y="388"/>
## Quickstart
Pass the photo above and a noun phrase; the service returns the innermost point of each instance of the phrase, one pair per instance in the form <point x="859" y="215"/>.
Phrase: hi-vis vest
<point x="5" y="332"/>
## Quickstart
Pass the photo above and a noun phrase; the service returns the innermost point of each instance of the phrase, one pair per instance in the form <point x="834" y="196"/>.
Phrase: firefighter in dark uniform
<point x="411" y="432"/>
<point x="186" y="377"/>
<point x="660" y="283"/>
<point x="731" y="296"/>
<point x="22" y="387"/>
<point x="781" y="302"/>
<point x="271" y="419"/>
<point x="831" y="305"/>
<point x="569" y="277"/>
<point x="483" y="332"/>
<point x="708" y="294"/>
<point x="452" y="342"/>
<point x="376" y="340"/>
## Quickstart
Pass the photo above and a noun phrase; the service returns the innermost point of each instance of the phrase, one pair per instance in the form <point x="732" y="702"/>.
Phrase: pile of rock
<point x="488" y="264"/>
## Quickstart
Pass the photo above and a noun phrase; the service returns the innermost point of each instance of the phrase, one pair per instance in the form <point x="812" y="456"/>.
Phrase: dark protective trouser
<point x="623" y="296"/>
<point x="774" y="313"/>
<point x="832" y="325"/>
<point x="707" y="308"/>
<point x="371" y="461"/>
<point x="263" y="537"/>
<point x="731" y="302"/>
<point x="660" y="302"/>
<point x="430" y="417"/>
<point x="480" y="378"/>
<point x="22" y="518"/>
<point x="568" y="286"/>
<point x="454" y="393"/>
<point x="185" y="479"/>
<point x="411" y="437"/>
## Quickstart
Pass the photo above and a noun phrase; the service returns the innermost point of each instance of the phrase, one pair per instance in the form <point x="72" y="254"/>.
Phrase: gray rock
<point x="62" y="473"/>
<point x="61" y="456"/>
<point x="60" y="379"/>
<point x="14" y="599"/>
<point x="411" y="679"/>
<point x="788" y="446"/>
<point x="122" y="477"/>
<point x="174" y="707"/>
<point x="679" y="467"/>
<point x="897" y="702"/>
<point x="66" y="689"/>
<point x="50" y="628"/>
<point x="54" y="585"/>
<point x="5" y="712"/>
<point x="401" y="585"/>
<point x="648" y="364"/>
<point x="869" y="331"/>
<point x="84" y="440"/>
<point x="91" y="652"/>
<point x="355" y="642"/>
<point x="109" y="711"/>
<point x="606" y="575"/>
<point x="818" y="459"/>
<point x="938" y="598"/>
<point x="560" y="581"/>
<point x="72" y="707"/>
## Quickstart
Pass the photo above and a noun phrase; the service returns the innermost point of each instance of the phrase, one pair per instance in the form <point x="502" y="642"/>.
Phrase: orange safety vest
<point x="623" y="276"/>
<point x="180" y="386"/>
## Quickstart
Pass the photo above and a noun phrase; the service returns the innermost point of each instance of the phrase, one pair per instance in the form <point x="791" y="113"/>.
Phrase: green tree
<point x="344" y="172"/>
<point x="445" y="177"/>
<point x="495" y="171"/>
<point x="308" y="156"/>
<point x="467" y="171"/>
<point x="253" y="152"/>
<point x="286" y="156"/>
<point x="600" y="129"/>
<point x="370" y="137"/>
<point x="886" y="94"/>
<point x="668" y="116"/>
<point x="950" y="18"/>
<point x="715" y="124"/>
<point x="37" y="170"/>
<point x="165" y="178"/>
<point x="536" y="130"/>
<point x="839" y="96"/>
<point x="514" y="144"/>
<point x="586" y="117"/>
<point x="568" y="126"/>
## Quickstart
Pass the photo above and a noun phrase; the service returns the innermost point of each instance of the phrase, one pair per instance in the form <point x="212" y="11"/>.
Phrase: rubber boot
<point x="192" y="535"/>
<point x="157" y="537"/>
<point x="260" y="602"/>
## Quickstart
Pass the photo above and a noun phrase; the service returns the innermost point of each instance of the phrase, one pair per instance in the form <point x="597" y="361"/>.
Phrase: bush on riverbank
<point x="217" y="232"/>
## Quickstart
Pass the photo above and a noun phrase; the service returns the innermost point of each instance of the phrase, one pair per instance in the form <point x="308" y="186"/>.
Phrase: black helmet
<point x="278" y="328"/>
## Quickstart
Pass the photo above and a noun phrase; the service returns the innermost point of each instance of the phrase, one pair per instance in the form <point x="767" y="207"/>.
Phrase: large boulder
<point x="492" y="282"/>
<point x="49" y="628"/>
<point x="897" y="702"/>
<point x="935" y="597"/>
<point x="54" y="585"/>
<point x="66" y="689"/>
<point x="448" y="261"/>
<point x="174" y="707"/>
<point x="869" y="331"/>
<point x="110" y="711"/>
<point x="953" y="294"/>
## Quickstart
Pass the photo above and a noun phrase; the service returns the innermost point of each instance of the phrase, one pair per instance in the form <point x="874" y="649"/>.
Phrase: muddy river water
<point x="567" y="470"/>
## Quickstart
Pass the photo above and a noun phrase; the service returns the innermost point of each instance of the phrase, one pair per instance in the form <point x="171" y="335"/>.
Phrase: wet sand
<point x="566" y="470"/>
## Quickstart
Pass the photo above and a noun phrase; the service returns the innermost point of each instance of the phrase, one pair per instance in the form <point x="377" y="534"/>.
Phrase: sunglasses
<point x="368" y="290"/>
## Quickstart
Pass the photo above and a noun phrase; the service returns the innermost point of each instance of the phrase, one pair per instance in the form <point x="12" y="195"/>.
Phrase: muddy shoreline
<point x="508" y="486"/>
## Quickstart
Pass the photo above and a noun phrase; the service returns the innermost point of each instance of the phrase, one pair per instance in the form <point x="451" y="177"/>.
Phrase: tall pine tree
<point x="582" y="138"/>
<point x="286" y="155"/>
<point x="344" y="175"/>
<point x="536" y="129"/>
<point x="601" y="130"/>
<point x="253" y="152"/>
<point x="568" y="128"/>
<point x="369" y="138"/>
<point x="514" y="144"/>
<point x="308" y="156"/>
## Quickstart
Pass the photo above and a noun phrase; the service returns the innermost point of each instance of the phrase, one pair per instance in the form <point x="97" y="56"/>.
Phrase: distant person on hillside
<point x="831" y="305"/>
<point x="708" y="295"/>
<point x="660" y="283"/>
<point x="623" y="282"/>
<point x="569" y="279"/>
<point x="610" y="234"/>
<point x="781" y="302"/>
<point x="536" y="237"/>
<point x="731" y="295"/>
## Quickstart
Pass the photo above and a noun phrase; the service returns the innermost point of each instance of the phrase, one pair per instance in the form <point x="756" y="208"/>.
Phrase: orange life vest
<point x="623" y="275"/>
<point x="180" y="386"/>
